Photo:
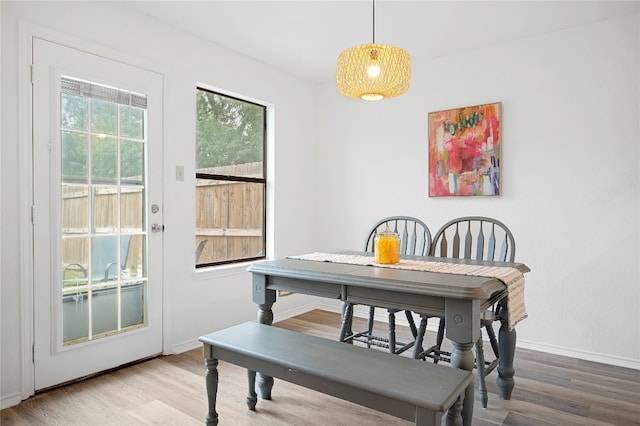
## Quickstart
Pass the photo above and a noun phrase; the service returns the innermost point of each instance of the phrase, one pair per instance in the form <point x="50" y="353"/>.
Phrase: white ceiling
<point x="305" y="38"/>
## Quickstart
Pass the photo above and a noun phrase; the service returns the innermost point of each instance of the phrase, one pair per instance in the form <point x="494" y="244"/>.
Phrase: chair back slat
<point x="468" y="242"/>
<point x="491" y="248"/>
<point x="443" y="246"/>
<point x="411" y="246"/>
<point x="503" y="249"/>
<point x="456" y="243"/>
<point x="479" y="244"/>
<point x="415" y="236"/>
<point x="404" y="236"/>
<point x="482" y="236"/>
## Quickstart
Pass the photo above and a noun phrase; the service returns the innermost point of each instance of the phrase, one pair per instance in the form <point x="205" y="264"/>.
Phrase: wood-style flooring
<point x="170" y="390"/>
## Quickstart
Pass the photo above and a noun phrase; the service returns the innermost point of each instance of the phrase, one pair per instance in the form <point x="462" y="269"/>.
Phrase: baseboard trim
<point x="191" y="344"/>
<point x="583" y="355"/>
<point x="10" y="400"/>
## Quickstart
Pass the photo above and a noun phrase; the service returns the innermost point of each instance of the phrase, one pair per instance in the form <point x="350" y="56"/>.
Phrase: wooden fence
<point x="229" y="217"/>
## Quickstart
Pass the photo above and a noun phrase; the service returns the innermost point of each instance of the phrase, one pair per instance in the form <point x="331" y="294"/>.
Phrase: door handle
<point x="156" y="227"/>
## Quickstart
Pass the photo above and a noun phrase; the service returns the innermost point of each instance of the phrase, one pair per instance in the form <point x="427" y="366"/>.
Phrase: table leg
<point x="507" y="351"/>
<point x="462" y="357"/>
<point x="211" y="381"/>
<point x="264" y="382"/>
<point x="463" y="329"/>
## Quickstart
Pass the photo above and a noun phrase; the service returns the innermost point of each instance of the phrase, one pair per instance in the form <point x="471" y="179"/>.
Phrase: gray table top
<point x="376" y="277"/>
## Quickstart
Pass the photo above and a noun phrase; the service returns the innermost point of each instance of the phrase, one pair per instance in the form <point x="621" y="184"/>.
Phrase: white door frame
<point x="26" y="33"/>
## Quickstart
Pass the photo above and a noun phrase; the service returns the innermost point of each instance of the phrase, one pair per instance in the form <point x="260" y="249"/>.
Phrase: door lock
<point x="156" y="227"/>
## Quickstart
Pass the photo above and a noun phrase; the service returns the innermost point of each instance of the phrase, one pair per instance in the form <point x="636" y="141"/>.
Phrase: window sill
<point x="220" y="271"/>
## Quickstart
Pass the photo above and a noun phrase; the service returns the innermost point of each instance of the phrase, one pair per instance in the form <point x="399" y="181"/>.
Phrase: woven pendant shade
<point x="373" y="71"/>
<point x="355" y="77"/>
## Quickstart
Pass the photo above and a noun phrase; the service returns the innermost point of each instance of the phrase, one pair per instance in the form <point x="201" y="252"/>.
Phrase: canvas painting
<point x="464" y="151"/>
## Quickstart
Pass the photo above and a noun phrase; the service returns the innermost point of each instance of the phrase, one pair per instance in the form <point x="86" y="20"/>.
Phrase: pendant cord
<point x="374" y="20"/>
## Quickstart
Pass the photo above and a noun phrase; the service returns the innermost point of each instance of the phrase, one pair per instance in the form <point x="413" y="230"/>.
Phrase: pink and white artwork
<point x="464" y="151"/>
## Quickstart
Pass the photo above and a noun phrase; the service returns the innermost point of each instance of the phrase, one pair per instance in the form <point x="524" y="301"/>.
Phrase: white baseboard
<point x="10" y="400"/>
<point x="579" y="354"/>
<point x="191" y="344"/>
<point x="179" y="348"/>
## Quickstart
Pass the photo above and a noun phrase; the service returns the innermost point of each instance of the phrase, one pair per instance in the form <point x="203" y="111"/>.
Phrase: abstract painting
<point x="464" y="151"/>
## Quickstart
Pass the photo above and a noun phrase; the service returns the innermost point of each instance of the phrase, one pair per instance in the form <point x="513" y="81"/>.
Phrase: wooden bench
<point x="403" y="387"/>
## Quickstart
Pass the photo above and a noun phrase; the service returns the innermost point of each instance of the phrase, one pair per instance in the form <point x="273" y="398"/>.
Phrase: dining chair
<point x="415" y="239"/>
<point x="479" y="238"/>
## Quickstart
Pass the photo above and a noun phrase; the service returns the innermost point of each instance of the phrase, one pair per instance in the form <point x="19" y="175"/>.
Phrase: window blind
<point x="88" y="89"/>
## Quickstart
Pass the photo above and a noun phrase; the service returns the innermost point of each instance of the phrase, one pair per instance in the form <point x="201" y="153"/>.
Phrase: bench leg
<point x="252" y="398"/>
<point x="454" y="415"/>
<point x="211" y="380"/>
<point x="426" y="417"/>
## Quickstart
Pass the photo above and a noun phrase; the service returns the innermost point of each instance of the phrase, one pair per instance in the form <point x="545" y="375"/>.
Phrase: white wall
<point x="570" y="177"/>
<point x="195" y="302"/>
<point x="570" y="162"/>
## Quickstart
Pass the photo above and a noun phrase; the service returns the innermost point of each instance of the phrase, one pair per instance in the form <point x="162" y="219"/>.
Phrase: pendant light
<point x="373" y="71"/>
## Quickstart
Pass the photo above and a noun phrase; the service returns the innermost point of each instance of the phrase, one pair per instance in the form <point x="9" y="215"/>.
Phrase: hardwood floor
<point x="550" y="390"/>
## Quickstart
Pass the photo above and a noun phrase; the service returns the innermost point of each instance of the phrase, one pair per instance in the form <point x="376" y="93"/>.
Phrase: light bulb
<point x="373" y="71"/>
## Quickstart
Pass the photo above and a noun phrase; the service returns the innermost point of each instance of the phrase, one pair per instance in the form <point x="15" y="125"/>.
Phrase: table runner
<point x="511" y="277"/>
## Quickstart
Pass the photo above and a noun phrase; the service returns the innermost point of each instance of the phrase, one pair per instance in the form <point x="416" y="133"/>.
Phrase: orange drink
<point x="387" y="248"/>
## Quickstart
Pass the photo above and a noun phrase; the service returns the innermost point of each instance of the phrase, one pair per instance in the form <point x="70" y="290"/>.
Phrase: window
<point x="103" y="134"/>
<point x="230" y="179"/>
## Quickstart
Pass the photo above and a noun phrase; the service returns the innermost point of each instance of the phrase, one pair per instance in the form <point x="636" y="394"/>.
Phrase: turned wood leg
<point x="211" y="380"/>
<point x="392" y="331"/>
<point x="462" y="357"/>
<point x="417" y="347"/>
<point x="252" y="398"/>
<point x="346" y="327"/>
<point x="482" y="385"/>
<point x="454" y="415"/>
<point x="439" y="339"/>
<point x="372" y="315"/>
<point x="507" y="349"/>
<point x="265" y="383"/>
<point x="265" y="313"/>
<point x="412" y="324"/>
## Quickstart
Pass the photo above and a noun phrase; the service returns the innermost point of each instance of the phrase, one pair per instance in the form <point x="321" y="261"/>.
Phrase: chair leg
<point x="482" y="385"/>
<point x="346" y="326"/>
<point x="439" y="339"/>
<point x="492" y="339"/>
<point x="412" y="324"/>
<point x="372" y="314"/>
<point x="392" y="331"/>
<point x="417" y="347"/>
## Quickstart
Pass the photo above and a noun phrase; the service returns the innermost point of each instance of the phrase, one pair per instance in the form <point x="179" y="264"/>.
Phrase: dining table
<point x="460" y="291"/>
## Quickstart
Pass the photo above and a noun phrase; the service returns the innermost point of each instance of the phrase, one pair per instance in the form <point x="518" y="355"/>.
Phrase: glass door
<point x="96" y="130"/>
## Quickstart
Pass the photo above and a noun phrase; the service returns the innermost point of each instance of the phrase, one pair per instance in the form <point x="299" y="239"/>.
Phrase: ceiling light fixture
<point x="373" y="71"/>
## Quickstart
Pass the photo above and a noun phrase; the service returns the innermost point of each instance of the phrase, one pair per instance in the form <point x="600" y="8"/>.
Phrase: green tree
<point x="228" y="131"/>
